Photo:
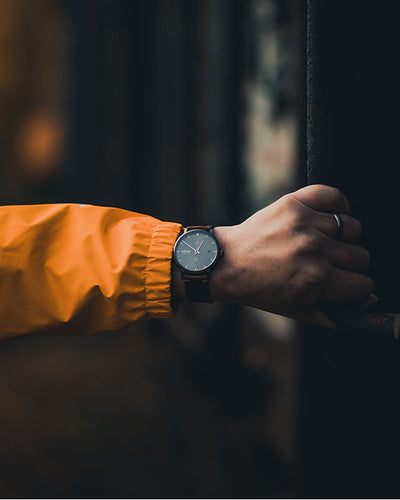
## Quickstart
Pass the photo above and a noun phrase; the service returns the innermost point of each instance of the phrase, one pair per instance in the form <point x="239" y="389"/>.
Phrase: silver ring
<point x="339" y="224"/>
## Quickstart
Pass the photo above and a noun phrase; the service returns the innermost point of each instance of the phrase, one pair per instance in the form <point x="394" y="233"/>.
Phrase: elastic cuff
<point x="158" y="270"/>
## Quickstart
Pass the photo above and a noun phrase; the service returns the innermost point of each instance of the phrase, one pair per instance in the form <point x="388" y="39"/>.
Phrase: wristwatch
<point x="196" y="252"/>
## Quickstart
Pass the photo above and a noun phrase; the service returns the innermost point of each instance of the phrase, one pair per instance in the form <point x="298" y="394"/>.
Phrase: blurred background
<point x="189" y="111"/>
<point x="194" y="111"/>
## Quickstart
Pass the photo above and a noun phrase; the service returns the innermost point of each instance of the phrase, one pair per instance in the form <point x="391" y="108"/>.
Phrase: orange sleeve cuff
<point x="158" y="270"/>
<point x="69" y="269"/>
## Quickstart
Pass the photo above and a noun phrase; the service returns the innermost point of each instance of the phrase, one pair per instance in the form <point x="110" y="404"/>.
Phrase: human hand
<point x="285" y="258"/>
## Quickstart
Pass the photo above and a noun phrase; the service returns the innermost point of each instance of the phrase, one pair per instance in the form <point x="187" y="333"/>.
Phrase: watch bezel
<point x="207" y="269"/>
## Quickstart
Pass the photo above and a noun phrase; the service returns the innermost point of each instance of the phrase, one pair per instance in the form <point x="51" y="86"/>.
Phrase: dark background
<point x="180" y="109"/>
<point x="349" y="438"/>
<point x="146" y="105"/>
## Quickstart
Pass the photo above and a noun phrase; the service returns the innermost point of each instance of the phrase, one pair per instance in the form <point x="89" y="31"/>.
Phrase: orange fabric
<point x="81" y="269"/>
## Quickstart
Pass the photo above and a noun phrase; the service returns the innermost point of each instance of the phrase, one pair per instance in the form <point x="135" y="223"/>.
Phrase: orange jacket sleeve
<point x="81" y="269"/>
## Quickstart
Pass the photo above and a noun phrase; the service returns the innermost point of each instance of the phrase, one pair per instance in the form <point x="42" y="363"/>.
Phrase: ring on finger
<point x="339" y="226"/>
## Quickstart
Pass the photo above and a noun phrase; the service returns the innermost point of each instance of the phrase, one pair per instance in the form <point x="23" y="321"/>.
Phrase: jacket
<point x="72" y="269"/>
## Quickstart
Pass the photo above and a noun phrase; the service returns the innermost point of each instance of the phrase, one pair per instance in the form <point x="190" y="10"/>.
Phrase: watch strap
<point x="197" y="286"/>
<point x="205" y="228"/>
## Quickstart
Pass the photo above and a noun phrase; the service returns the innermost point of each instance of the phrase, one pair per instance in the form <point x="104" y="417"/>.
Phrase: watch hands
<point x="198" y="248"/>
<point x="194" y="250"/>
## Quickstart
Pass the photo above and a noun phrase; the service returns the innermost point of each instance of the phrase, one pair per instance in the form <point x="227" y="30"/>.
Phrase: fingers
<point x="323" y="198"/>
<point x="326" y="223"/>
<point x="349" y="256"/>
<point x="326" y="315"/>
<point x="347" y="286"/>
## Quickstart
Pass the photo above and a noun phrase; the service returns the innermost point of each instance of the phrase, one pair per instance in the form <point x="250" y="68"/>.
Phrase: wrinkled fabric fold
<point x="74" y="269"/>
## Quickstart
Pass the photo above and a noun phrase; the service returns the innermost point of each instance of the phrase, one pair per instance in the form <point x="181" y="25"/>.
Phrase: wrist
<point x="178" y="289"/>
<point x="221" y="274"/>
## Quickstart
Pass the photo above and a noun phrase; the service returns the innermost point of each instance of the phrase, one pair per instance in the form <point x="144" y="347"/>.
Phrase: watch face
<point x="196" y="250"/>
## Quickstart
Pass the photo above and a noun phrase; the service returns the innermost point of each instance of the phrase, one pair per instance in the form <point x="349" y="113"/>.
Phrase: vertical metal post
<point x="316" y="140"/>
<point x="321" y="149"/>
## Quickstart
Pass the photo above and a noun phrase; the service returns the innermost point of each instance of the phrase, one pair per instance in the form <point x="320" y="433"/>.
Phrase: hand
<point x="285" y="259"/>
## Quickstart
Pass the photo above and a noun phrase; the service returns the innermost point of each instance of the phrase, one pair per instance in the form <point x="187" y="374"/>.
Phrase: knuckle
<point x="363" y="288"/>
<point x="311" y="279"/>
<point x="317" y="273"/>
<point x="294" y="214"/>
<point x="337" y="197"/>
<point x="333" y="193"/>
<point x="356" y="257"/>
<point x="289" y="202"/>
<point x="365" y="257"/>
<point x="358" y="227"/>
<point x="336" y="194"/>
<point x="307" y="243"/>
<point x="354" y="227"/>
<point x="362" y="257"/>
<point x="310" y="284"/>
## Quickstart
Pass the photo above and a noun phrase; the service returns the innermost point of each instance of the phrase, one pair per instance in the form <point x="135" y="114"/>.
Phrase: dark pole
<point x="321" y="149"/>
<point x="318" y="143"/>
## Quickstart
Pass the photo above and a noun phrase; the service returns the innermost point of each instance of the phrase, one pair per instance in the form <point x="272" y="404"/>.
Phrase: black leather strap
<point x="197" y="288"/>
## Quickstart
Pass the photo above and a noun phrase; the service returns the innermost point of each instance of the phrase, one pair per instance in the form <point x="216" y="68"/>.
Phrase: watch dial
<point x="196" y="250"/>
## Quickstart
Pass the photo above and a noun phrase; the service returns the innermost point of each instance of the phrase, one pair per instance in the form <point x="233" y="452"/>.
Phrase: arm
<point x="81" y="269"/>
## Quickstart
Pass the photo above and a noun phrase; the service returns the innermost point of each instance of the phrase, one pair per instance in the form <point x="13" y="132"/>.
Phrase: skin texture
<point x="285" y="258"/>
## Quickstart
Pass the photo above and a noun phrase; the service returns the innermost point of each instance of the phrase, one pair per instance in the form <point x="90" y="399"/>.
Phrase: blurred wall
<point x="158" y="107"/>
